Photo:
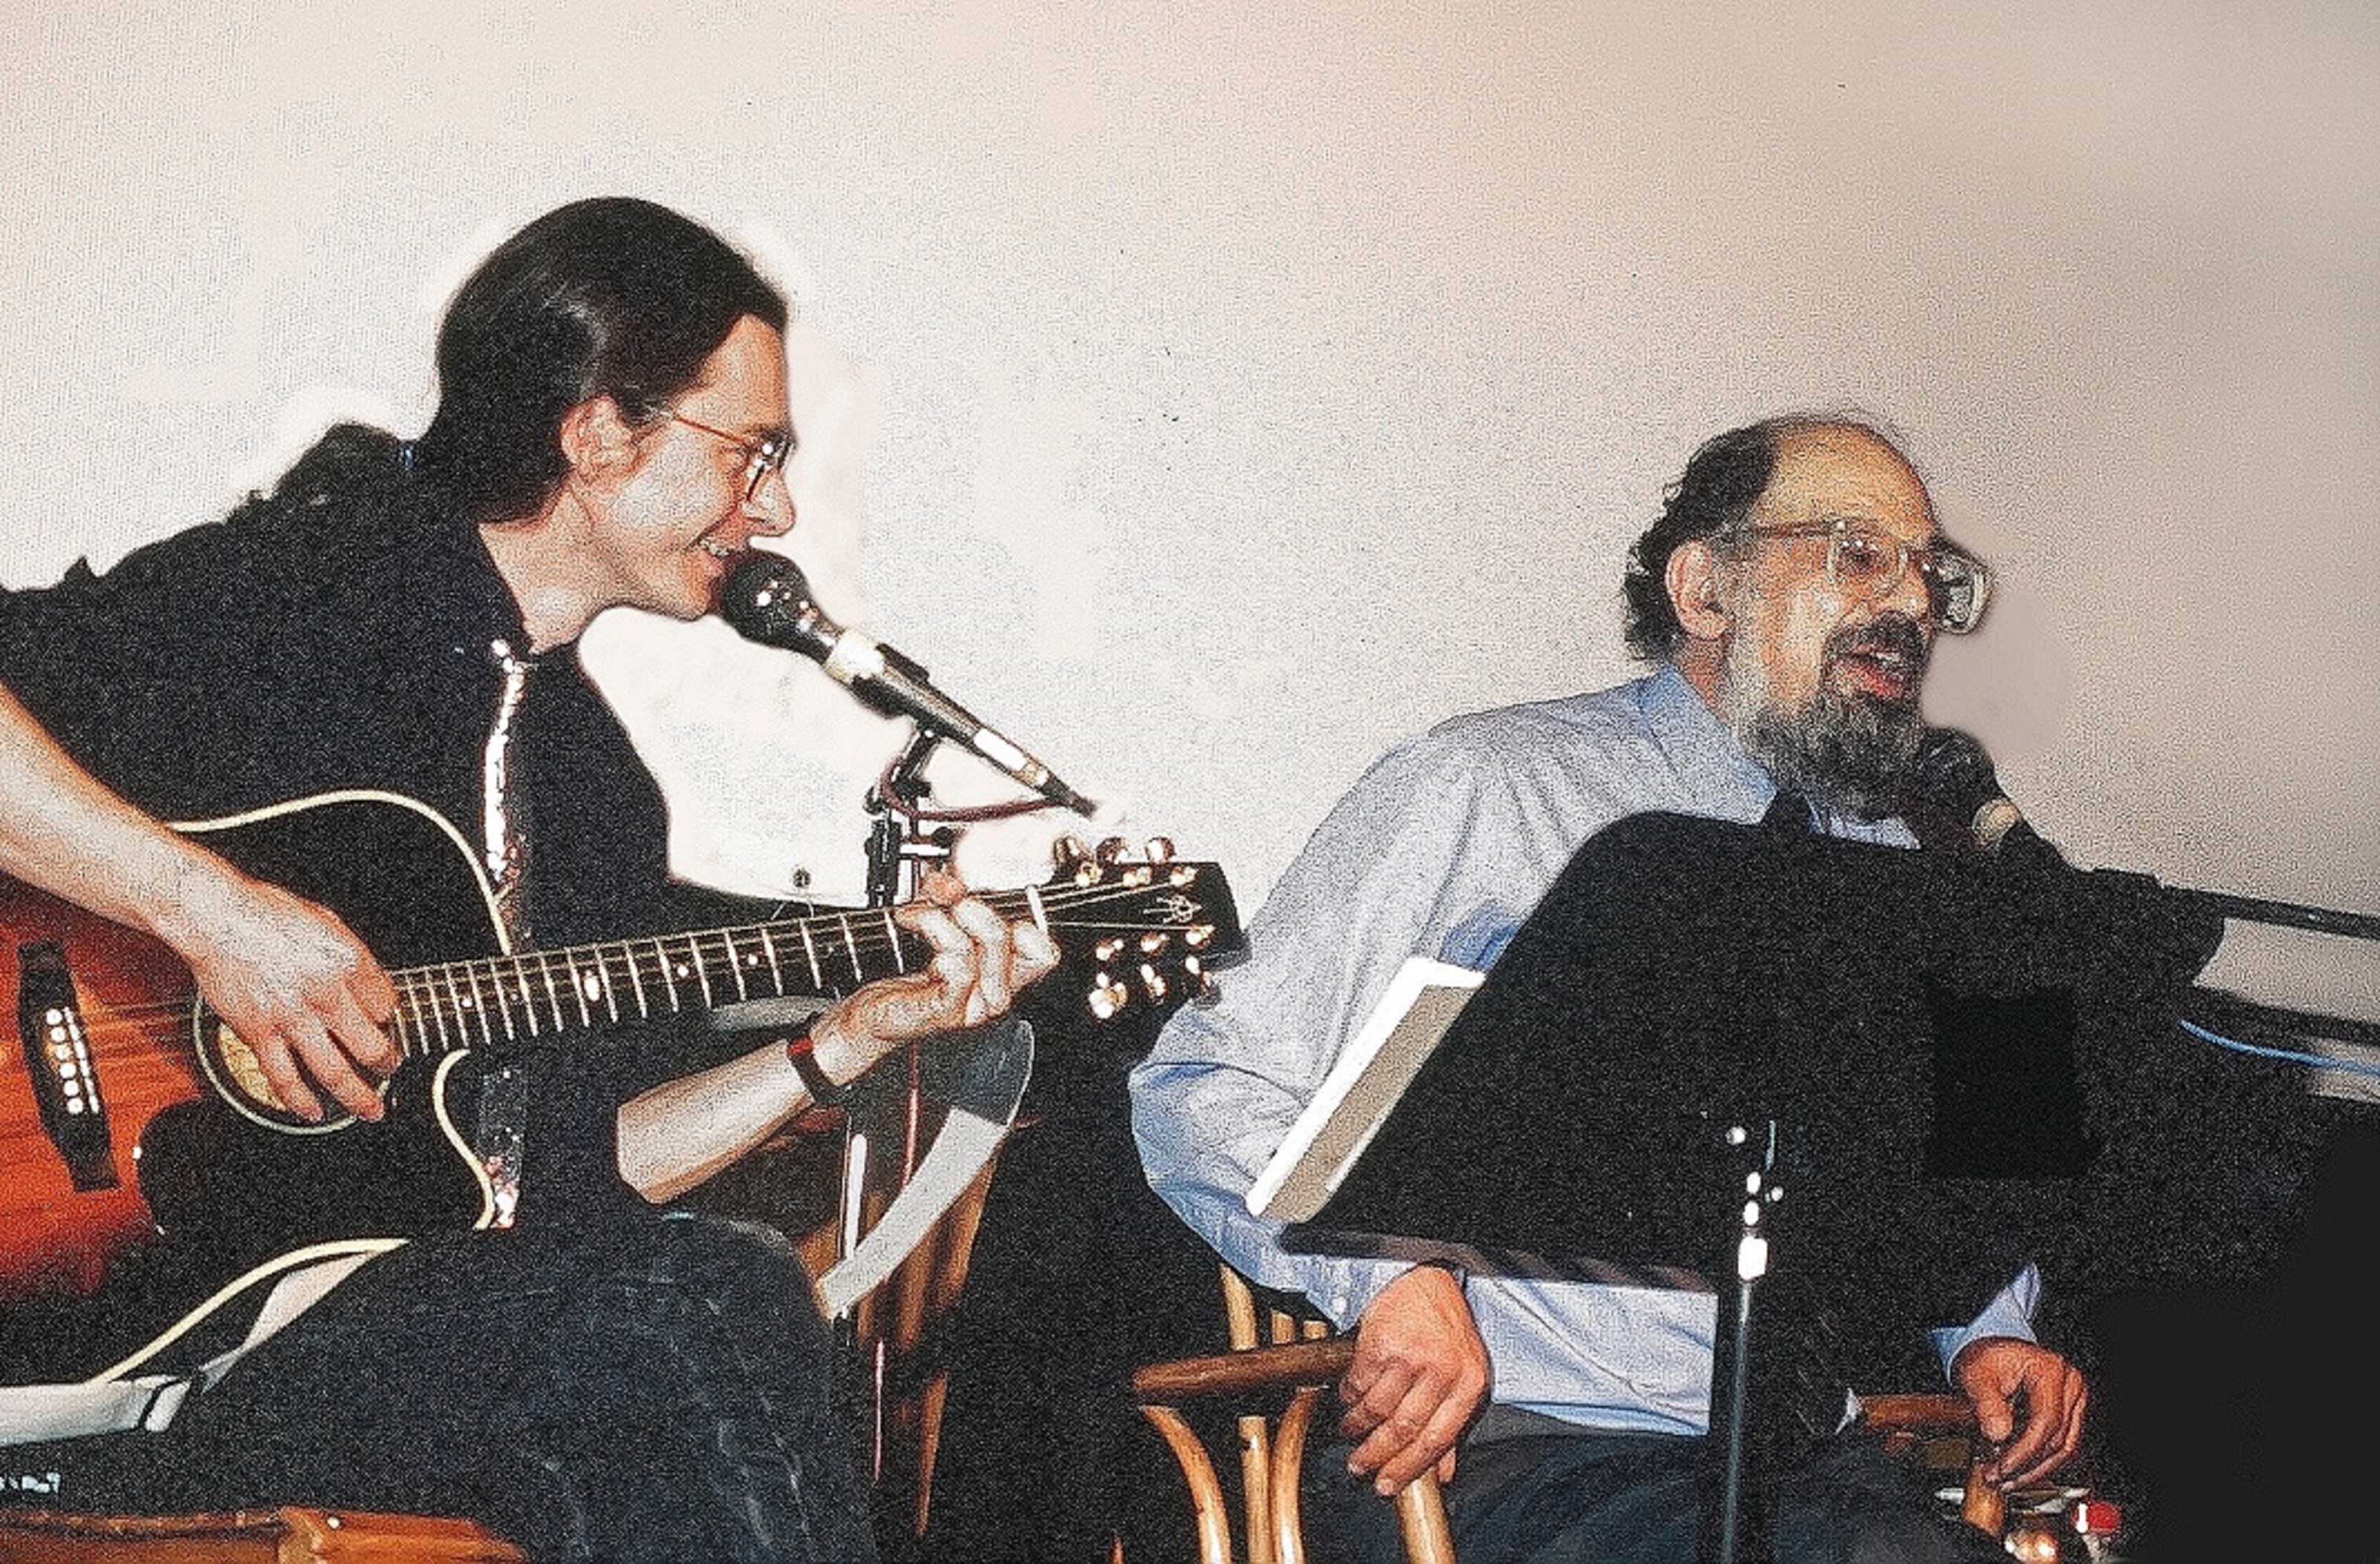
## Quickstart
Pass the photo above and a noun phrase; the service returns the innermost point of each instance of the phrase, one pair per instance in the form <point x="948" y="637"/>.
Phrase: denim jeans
<point x="659" y="1392"/>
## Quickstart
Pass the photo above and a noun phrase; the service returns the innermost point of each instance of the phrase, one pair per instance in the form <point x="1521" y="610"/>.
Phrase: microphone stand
<point x="897" y="848"/>
<point x="894" y="838"/>
<point x="2287" y="914"/>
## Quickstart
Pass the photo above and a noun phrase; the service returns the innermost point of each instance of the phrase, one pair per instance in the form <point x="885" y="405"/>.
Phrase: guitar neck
<point x="551" y="994"/>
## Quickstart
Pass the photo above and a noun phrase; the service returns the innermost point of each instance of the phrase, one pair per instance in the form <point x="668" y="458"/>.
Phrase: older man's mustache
<point x="1892" y="642"/>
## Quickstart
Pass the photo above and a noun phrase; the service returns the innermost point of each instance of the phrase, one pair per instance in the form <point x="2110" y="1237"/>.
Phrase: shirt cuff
<point x="2008" y="1313"/>
<point x="1346" y="1287"/>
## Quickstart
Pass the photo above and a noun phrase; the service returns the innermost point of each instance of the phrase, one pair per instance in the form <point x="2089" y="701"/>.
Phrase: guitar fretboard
<point x="535" y="995"/>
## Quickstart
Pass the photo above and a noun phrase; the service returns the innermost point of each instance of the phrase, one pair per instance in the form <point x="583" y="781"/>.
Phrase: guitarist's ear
<point x="597" y="441"/>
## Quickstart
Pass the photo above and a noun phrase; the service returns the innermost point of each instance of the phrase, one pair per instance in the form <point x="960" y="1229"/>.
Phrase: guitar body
<point x="194" y="1146"/>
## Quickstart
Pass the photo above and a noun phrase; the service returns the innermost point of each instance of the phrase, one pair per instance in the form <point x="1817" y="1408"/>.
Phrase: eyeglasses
<point x="1868" y="561"/>
<point x="762" y="458"/>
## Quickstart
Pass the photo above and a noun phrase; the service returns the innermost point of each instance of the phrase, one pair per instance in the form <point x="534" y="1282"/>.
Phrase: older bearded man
<point x="1791" y="590"/>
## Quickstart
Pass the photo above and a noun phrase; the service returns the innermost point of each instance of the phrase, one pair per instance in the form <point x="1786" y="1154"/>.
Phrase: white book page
<point x="1421" y="1003"/>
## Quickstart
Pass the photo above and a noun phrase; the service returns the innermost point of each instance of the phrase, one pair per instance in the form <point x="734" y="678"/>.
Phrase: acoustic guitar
<point x="129" y="1109"/>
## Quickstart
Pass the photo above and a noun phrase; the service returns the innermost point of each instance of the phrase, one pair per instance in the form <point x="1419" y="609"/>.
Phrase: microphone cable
<point x="2288" y="1056"/>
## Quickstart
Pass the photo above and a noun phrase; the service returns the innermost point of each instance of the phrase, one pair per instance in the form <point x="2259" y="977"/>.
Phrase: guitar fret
<point x="776" y="978"/>
<point x="408" y="1016"/>
<point x="465" y="1010"/>
<point x="851" y="946"/>
<point x="578" y="987"/>
<point x="429" y="984"/>
<point x="701" y="970"/>
<point x="450" y="1000"/>
<point x="603" y="979"/>
<point x="734" y="963"/>
<point x="528" y="1000"/>
<point x="408" y="1024"/>
<point x="661" y="953"/>
<point x="817" y="978"/>
<point x="504" y="1011"/>
<point x="893" y="933"/>
<point x="637" y="981"/>
<point x="396" y="1020"/>
<point x="480" y="1003"/>
<point x="545" y="971"/>
<point x="448" y="1042"/>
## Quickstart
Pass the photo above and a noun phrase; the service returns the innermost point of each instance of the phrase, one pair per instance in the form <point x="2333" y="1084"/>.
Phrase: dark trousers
<point x="660" y="1393"/>
<point x="1584" y="1498"/>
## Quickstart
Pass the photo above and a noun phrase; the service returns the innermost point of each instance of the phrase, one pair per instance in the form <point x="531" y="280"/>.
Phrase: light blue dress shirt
<point x="1442" y="850"/>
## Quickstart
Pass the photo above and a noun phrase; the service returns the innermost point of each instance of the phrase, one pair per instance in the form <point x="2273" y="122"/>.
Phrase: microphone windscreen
<point x="1951" y="772"/>
<point x="766" y="598"/>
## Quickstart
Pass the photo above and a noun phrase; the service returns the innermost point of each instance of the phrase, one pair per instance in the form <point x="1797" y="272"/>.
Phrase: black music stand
<point x="1912" y="1026"/>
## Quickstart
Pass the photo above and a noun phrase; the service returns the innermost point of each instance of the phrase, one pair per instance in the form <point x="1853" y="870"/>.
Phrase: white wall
<point x="1210" y="394"/>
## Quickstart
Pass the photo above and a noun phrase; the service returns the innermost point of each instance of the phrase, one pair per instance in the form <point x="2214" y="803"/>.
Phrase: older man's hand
<point x="1419" y="1373"/>
<point x="2029" y="1404"/>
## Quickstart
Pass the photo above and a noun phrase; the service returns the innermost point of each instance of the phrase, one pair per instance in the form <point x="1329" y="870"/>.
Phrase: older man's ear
<point x="1695" y="587"/>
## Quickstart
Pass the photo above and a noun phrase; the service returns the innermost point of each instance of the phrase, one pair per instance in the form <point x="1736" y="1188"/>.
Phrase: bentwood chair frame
<point x="1272" y="1356"/>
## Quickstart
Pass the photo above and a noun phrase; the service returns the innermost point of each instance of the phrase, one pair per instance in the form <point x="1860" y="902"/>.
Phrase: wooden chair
<point x="1287" y="1360"/>
<point x="1937" y="1432"/>
<point x="287" y="1535"/>
<point x="1288" y="1366"/>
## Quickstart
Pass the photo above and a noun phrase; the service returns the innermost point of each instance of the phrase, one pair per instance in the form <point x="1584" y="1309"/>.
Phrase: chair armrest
<point x="1926" y="1412"/>
<point x="1287" y="1366"/>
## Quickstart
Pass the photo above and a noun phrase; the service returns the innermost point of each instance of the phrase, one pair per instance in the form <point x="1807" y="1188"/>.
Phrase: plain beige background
<point x="1210" y="394"/>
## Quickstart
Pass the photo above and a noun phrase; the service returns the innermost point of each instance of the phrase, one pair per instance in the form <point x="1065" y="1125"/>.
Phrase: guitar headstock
<point x="1140" y="931"/>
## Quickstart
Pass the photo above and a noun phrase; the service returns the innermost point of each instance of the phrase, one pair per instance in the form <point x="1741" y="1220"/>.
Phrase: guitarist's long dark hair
<point x="606" y="296"/>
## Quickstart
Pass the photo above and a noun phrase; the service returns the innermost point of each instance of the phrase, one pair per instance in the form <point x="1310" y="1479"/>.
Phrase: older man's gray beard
<point x="1847" y="751"/>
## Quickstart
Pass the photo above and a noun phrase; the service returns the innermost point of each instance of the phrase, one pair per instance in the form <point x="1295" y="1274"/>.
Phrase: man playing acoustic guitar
<point x="372" y="667"/>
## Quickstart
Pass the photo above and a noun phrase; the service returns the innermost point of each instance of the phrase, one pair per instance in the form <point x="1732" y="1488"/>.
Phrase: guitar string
<point x="859" y="941"/>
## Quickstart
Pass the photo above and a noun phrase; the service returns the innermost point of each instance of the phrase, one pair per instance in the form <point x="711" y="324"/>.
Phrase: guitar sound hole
<point x="246" y="1073"/>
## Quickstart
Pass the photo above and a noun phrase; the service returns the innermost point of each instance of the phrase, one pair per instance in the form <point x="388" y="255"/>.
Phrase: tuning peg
<point x="1108" y="996"/>
<point x="1109" y="948"/>
<point x="1182" y="877"/>
<point x="1158" y="849"/>
<point x="1151" y="943"/>
<point x="1152" y="982"/>
<point x="1198" y="936"/>
<point x="1110" y="852"/>
<point x="1069" y="853"/>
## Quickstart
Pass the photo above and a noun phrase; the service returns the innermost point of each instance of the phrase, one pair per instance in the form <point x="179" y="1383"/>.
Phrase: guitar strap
<point x="500" y="1137"/>
<point x="504" y="799"/>
<point x="992" y="1071"/>
<point x="117" y="1399"/>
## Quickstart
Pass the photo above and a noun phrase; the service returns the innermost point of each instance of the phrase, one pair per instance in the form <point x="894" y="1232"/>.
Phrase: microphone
<point x="1951" y="773"/>
<point x="767" y="601"/>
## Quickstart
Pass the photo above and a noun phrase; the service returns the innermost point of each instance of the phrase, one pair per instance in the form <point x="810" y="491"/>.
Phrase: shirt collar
<point x="1726" y="783"/>
<point x="1729" y="783"/>
<point x="459" y="589"/>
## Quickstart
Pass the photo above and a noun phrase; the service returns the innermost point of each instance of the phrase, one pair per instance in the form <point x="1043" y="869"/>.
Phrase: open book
<point x="1421" y="1003"/>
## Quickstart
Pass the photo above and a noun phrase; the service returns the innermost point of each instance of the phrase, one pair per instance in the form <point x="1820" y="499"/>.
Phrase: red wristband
<point x="803" y="1055"/>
